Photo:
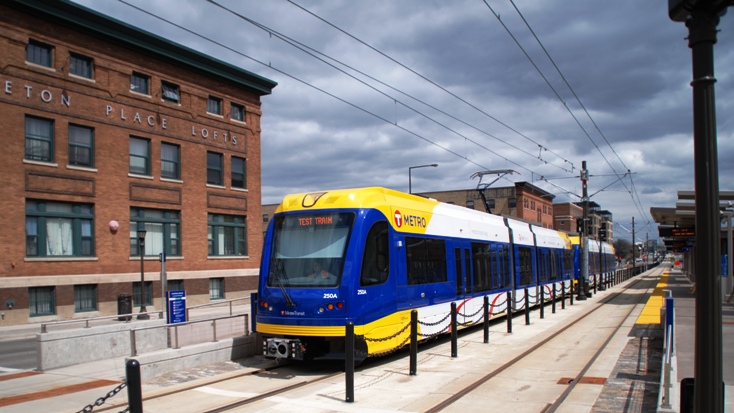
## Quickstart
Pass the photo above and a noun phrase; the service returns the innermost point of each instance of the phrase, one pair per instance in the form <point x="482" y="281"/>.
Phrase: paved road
<point x="18" y="354"/>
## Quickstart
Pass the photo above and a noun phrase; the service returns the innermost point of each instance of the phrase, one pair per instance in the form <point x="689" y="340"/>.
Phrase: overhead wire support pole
<point x="702" y="18"/>
<point x="582" y="234"/>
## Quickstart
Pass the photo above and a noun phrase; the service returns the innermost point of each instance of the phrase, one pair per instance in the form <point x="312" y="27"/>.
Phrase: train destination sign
<point x="677" y="232"/>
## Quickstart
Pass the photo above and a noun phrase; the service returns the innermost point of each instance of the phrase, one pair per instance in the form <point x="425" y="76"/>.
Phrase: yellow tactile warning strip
<point x="651" y="313"/>
<point x="59" y="391"/>
<point x="18" y="375"/>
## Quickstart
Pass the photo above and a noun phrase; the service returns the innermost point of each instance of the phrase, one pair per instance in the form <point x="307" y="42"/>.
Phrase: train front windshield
<point x="308" y="249"/>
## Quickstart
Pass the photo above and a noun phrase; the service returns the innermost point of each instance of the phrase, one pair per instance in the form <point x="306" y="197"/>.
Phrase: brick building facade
<point x="523" y="200"/>
<point x="107" y="130"/>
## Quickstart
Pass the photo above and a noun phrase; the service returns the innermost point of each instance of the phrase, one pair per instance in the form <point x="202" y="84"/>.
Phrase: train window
<point x="482" y="267"/>
<point x="376" y="260"/>
<point x="526" y="269"/>
<point x="505" y="264"/>
<point x="426" y="260"/>
<point x="302" y="241"/>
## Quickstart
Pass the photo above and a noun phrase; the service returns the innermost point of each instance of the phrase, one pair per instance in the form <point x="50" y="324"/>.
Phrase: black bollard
<point x="134" y="386"/>
<point x="527" y="308"/>
<point x="413" y="342"/>
<point x="553" y="307"/>
<point x="454" y="331"/>
<point x="542" y="302"/>
<point x="349" y="361"/>
<point x="563" y="295"/>
<point x="486" y="319"/>
<point x="509" y="312"/>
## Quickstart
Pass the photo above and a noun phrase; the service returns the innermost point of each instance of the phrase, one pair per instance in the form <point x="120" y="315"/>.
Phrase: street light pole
<point x="141" y="246"/>
<point x="410" y="170"/>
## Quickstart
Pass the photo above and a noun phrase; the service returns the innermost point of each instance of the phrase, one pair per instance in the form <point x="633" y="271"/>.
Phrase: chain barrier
<point x="436" y="334"/>
<point x="88" y="408"/>
<point x="436" y="323"/>
<point x="381" y="339"/>
<point x="472" y="315"/>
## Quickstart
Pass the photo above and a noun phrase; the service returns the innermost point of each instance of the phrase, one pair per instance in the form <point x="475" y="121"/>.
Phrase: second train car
<point x="372" y="255"/>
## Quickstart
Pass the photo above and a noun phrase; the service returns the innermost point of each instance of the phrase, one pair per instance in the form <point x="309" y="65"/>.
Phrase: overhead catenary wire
<point x="473" y="106"/>
<point x="532" y="62"/>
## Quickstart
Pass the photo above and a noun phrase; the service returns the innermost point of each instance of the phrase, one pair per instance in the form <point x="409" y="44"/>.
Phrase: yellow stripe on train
<point x="413" y="215"/>
<point x="381" y="335"/>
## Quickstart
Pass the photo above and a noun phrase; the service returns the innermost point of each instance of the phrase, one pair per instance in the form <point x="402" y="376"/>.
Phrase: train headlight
<point x="321" y="310"/>
<point x="340" y="305"/>
<point x="330" y="306"/>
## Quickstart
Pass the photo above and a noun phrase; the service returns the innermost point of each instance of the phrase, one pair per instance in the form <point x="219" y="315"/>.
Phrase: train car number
<point x="361" y="292"/>
<point x="330" y="295"/>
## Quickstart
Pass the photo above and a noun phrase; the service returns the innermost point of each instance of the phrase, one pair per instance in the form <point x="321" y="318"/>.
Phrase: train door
<point x="462" y="257"/>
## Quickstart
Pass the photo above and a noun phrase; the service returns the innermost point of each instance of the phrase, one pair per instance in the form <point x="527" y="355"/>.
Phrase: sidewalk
<point x="685" y="306"/>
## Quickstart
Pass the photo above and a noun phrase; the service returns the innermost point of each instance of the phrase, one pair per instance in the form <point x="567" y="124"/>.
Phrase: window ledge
<point x="154" y="258"/>
<point x="216" y="186"/>
<point x="81" y="168"/>
<point x="41" y="163"/>
<point x="145" y="95"/>
<point x="87" y="79"/>
<point x="60" y="259"/>
<point x="240" y="189"/>
<point x="175" y="181"/>
<point x="50" y="69"/>
<point x="216" y="115"/>
<point x="129" y="175"/>
<point x="228" y="257"/>
<point x="239" y="121"/>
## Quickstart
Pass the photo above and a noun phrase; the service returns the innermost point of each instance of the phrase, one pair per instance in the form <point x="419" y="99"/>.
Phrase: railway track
<point x="628" y="304"/>
<point x="484" y="377"/>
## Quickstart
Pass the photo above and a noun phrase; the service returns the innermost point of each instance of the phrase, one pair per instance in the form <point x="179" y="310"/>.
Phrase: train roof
<point x="415" y="214"/>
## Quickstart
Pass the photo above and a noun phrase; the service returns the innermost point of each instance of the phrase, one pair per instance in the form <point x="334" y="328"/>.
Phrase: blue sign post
<point x="176" y="307"/>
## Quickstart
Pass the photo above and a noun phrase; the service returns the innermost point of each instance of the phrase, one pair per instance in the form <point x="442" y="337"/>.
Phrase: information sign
<point x="176" y="307"/>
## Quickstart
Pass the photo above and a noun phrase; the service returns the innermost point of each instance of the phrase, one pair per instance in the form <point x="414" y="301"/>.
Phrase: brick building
<point x="108" y="130"/>
<point x="523" y="200"/>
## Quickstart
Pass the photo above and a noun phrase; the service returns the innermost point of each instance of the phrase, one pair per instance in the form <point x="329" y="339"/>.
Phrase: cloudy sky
<point x="367" y="89"/>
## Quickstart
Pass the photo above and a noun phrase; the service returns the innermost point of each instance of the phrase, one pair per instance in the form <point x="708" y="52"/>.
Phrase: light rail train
<point x="372" y="255"/>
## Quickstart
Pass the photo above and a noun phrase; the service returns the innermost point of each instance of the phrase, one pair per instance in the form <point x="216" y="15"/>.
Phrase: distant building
<point x="523" y="200"/>
<point x="566" y="216"/>
<point x="108" y="130"/>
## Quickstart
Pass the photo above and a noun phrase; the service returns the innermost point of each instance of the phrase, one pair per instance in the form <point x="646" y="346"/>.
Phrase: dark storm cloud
<point x="626" y="61"/>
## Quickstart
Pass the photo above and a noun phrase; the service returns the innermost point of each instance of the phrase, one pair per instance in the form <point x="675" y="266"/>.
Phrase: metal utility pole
<point x="582" y="237"/>
<point x="702" y="18"/>
<point x="634" y="244"/>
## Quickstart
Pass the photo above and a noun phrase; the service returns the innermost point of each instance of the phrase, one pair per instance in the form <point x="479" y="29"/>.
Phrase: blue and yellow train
<point x="372" y="255"/>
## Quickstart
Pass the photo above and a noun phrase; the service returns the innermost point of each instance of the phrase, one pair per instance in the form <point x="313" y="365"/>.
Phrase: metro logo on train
<point x="409" y="220"/>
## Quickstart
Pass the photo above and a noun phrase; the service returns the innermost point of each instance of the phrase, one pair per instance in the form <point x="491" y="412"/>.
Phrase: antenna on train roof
<point x="482" y="186"/>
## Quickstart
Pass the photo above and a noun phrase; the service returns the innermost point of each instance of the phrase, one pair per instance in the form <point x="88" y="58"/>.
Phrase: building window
<point x="216" y="288"/>
<point x="163" y="233"/>
<point x="512" y="202"/>
<point x="170" y="92"/>
<point x="170" y="161"/>
<point x="214" y="168"/>
<point x="81" y="146"/>
<point x="491" y="203"/>
<point x="148" y="293"/>
<point x="214" y="105"/>
<point x="175" y="285"/>
<point x="470" y="204"/>
<point x="81" y="65"/>
<point x="56" y="229"/>
<point x="85" y="298"/>
<point x="238" y="172"/>
<point x="39" y="53"/>
<point x="41" y="301"/>
<point x="140" y="83"/>
<point x="139" y="156"/>
<point x="227" y="235"/>
<point x="266" y="218"/>
<point x="237" y="112"/>
<point x="39" y="139"/>
<point x="525" y="203"/>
